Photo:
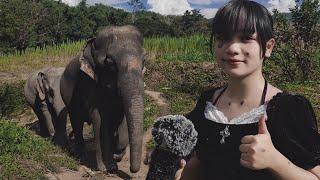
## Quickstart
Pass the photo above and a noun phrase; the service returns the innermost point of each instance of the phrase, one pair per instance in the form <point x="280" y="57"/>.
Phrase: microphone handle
<point x="164" y="165"/>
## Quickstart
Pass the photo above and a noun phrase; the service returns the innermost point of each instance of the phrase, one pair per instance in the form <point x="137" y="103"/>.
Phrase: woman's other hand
<point x="257" y="151"/>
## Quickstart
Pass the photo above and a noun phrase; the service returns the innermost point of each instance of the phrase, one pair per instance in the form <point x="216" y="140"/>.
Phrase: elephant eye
<point x="109" y="61"/>
<point x="51" y="93"/>
<point x="143" y="62"/>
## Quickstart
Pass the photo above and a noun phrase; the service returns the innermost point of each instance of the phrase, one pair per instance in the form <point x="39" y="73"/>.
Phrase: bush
<point x="298" y="41"/>
<point x="11" y="98"/>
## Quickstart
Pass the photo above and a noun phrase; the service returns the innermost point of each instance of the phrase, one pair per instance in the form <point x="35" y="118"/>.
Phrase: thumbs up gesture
<point x="257" y="151"/>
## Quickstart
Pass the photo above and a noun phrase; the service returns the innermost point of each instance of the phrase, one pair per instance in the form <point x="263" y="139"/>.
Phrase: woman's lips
<point x="233" y="61"/>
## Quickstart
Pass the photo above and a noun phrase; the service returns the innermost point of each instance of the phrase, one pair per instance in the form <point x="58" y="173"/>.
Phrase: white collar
<point x="212" y="113"/>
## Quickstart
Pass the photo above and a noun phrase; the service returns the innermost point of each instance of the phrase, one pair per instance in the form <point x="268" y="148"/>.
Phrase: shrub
<point x="11" y="98"/>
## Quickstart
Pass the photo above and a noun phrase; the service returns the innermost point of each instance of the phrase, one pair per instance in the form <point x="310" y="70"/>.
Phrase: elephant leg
<point x="97" y="134"/>
<point x="60" y="137"/>
<point x="43" y="128"/>
<point x="123" y="140"/>
<point x="47" y="119"/>
<point x="77" y="128"/>
<point x="108" y="144"/>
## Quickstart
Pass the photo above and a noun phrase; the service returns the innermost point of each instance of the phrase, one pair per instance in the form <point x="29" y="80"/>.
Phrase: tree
<point x="136" y="5"/>
<point x="298" y="41"/>
<point x="18" y="21"/>
<point x="193" y="22"/>
<point x="51" y="27"/>
<point x="79" y="25"/>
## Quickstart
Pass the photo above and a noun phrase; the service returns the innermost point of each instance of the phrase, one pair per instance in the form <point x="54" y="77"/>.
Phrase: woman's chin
<point x="235" y="73"/>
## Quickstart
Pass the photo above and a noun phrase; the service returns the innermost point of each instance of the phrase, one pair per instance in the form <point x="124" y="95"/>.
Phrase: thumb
<point x="263" y="126"/>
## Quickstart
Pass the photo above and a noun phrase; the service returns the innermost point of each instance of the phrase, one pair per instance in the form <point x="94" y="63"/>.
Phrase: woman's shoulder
<point x="288" y="99"/>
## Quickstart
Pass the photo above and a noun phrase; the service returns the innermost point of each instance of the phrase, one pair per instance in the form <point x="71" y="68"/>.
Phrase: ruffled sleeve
<point x="306" y="130"/>
<point x="303" y="143"/>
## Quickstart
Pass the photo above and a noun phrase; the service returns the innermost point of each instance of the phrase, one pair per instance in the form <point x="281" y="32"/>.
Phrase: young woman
<point x="249" y="129"/>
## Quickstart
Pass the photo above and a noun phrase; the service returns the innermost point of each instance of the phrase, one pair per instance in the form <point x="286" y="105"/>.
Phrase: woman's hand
<point x="179" y="172"/>
<point x="257" y="151"/>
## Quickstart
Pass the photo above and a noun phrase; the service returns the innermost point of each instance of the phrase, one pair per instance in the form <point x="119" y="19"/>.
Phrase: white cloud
<point x="206" y="2"/>
<point x="169" y="7"/>
<point x="281" y="5"/>
<point x="209" y="12"/>
<point x="92" y="2"/>
<point x="106" y="2"/>
<point x="71" y="2"/>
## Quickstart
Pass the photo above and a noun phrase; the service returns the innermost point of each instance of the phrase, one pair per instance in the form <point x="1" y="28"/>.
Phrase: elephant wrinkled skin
<point x="104" y="86"/>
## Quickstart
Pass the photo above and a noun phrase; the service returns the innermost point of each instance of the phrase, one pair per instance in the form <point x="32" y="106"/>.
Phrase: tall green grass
<point x="193" y="48"/>
<point x="36" y="58"/>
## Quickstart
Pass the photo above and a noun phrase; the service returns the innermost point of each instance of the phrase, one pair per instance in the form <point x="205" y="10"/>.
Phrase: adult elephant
<point x="42" y="92"/>
<point x="104" y="85"/>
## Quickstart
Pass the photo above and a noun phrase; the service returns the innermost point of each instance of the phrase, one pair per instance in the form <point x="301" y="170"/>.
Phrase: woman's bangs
<point x="233" y="20"/>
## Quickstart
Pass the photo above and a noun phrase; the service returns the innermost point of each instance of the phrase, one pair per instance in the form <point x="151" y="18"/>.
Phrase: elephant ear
<point x="40" y="86"/>
<point x="144" y="53"/>
<point x="85" y="65"/>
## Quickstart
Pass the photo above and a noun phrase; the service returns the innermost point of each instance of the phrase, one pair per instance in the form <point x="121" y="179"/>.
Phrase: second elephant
<point x="42" y="92"/>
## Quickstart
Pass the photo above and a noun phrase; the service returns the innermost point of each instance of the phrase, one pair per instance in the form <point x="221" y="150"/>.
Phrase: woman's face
<point x="240" y="56"/>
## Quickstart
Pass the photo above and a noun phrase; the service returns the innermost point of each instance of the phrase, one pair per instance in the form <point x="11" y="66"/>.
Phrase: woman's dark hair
<point x="244" y="17"/>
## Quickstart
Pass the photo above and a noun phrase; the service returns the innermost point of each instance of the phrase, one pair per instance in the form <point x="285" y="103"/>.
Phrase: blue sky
<point x="177" y="7"/>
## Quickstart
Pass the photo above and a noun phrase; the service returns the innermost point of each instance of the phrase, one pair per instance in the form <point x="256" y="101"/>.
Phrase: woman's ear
<point x="269" y="47"/>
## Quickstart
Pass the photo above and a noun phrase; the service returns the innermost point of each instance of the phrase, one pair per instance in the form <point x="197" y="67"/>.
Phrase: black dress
<point x="292" y="126"/>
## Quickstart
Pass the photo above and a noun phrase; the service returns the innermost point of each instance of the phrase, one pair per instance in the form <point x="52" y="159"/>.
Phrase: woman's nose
<point x="233" y="48"/>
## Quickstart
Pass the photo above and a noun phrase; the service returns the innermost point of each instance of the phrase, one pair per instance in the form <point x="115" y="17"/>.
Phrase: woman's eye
<point x="247" y="38"/>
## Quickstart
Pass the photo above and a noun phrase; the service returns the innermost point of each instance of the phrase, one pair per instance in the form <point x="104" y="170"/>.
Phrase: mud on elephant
<point x="104" y="86"/>
<point x="42" y="92"/>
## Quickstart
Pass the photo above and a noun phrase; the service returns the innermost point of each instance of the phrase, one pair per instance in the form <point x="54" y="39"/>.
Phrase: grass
<point x="193" y="48"/>
<point x="24" y="155"/>
<point x="11" y="98"/>
<point x="151" y="111"/>
<point x="37" y="58"/>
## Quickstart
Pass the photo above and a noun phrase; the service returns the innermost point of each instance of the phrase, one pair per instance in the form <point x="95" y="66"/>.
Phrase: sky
<point x="208" y="8"/>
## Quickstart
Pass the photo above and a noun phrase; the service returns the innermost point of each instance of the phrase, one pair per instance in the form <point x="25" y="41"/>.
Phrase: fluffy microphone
<point x="175" y="138"/>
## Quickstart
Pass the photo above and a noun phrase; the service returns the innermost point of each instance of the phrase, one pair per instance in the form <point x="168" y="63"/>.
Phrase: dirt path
<point x="124" y="172"/>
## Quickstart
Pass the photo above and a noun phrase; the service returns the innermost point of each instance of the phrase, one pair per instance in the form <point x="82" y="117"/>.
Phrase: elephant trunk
<point x="48" y="121"/>
<point x="131" y="87"/>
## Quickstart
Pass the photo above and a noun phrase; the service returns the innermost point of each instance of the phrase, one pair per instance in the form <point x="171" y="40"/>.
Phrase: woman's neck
<point x="243" y="88"/>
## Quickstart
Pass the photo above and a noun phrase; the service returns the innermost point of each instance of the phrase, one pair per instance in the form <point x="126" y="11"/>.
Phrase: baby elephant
<point x="42" y="92"/>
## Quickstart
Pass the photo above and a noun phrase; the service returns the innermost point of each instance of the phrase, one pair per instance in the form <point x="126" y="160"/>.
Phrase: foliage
<point x="298" y="41"/>
<point x="18" y="19"/>
<point x="151" y="111"/>
<point x="25" y="24"/>
<point x="11" y="98"/>
<point x="192" y="22"/>
<point x="26" y="156"/>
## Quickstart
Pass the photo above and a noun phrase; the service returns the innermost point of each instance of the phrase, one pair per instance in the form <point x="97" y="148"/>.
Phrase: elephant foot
<point x="118" y="155"/>
<point x="112" y="167"/>
<point x="101" y="167"/>
<point x="60" y="141"/>
<point x="80" y="151"/>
